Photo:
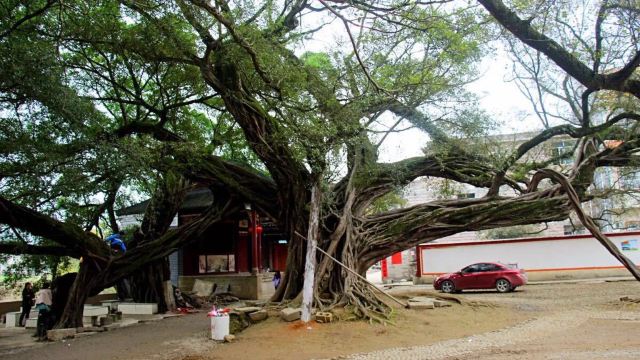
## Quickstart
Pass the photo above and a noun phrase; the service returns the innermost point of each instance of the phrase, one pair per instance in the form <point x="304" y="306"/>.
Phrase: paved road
<point x="141" y="341"/>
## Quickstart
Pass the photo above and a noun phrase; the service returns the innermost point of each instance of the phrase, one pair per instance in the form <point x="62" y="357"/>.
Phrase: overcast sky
<point x="498" y="97"/>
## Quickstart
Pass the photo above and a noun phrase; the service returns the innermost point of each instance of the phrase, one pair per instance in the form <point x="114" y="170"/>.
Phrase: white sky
<point x="498" y="97"/>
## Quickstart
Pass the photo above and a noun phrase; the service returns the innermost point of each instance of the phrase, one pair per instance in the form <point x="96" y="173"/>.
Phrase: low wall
<point x="543" y="258"/>
<point x="244" y="286"/>
<point x="14" y="305"/>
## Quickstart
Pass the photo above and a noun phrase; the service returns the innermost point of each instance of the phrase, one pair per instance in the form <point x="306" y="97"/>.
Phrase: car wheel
<point x="503" y="285"/>
<point x="447" y="286"/>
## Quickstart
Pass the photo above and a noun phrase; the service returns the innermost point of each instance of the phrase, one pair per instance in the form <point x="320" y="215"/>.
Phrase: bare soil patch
<point x="274" y="339"/>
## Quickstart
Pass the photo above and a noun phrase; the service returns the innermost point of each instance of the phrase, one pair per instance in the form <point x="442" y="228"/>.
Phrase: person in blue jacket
<point x="116" y="243"/>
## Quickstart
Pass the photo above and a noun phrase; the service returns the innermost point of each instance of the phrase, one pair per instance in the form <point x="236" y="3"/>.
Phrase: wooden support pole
<point x="310" y="263"/>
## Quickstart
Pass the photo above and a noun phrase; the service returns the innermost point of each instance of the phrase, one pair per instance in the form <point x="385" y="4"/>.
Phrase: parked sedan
<point x="482" y="276"/>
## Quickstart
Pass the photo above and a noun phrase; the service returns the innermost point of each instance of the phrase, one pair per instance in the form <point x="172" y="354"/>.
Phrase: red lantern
<point x="259" y="230"/>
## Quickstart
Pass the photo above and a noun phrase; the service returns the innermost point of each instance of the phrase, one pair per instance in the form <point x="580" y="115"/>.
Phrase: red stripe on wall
<point x="385" y="271"/>
<point x="519" y="240"/>
<point x="554" y="269"/>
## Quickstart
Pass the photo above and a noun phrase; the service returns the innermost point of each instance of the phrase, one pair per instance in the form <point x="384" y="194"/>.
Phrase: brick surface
<point x="324" y="317"/>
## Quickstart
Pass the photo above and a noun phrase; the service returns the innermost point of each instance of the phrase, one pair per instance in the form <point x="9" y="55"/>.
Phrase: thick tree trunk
<point x="87" y="280"/>
<point x="146" y="285"/>
<point x="339" y="287"/>
<point x="292" y="282"/>
<point x="295" y="222"/>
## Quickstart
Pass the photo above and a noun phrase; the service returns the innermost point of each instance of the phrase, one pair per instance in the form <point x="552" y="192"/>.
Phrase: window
<point x="562" y="152"/>
<point x="602" y="178"/>
<point x="568" y="229"/>
<point x="632" y="225"/>
<point x="571" y="230"/>
<point x="216" y="263"/>
<point x="466" y="196"/>
<point x="489" y="267"/>
<point x="471" y="269"/>
<point x="630" y="180"/>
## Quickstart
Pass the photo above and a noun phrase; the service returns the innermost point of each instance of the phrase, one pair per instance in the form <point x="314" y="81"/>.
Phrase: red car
<point x="482" y="276"/>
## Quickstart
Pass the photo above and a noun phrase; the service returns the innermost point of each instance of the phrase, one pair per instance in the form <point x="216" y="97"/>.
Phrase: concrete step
<point x="138" y="308"/>
<point x="90" y="310"/>
<point x="32" y="323"/>
<point x="12" y="319"/>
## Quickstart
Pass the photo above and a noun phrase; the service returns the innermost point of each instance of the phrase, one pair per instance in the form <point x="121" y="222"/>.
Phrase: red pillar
<point x="418" y="261"/>
<point x="255" y="262"/>
<point x="259" y="241"/>
<point x="385" y="271"/>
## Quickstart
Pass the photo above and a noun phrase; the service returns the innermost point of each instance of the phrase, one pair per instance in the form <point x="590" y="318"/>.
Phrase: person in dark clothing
<point x="27" y="302"/>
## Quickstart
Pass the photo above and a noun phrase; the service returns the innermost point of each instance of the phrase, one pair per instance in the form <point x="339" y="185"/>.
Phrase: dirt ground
<point x="550" y="321"/>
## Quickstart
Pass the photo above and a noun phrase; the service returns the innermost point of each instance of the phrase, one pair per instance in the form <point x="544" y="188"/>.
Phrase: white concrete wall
<point x="136" y="219"/>
<point x="130" y="220"/>
<point x="547" y="255"/>
<point x="404" y="271"/>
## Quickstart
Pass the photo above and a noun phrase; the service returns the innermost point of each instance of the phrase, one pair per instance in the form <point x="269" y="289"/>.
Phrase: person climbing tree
<point x="116" y="243"/>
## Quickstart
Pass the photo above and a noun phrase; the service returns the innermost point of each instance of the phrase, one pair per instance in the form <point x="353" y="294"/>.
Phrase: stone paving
<point x="504" y="338"/>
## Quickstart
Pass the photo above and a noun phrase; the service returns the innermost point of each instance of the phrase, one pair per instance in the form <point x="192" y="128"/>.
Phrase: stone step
<point x="90" y="310"/>
<point x="32" y="323"/>
<point x="111" y="304"/>
<point x="421" y="305"/>
<point x="12" y="319"/>
<point x="421" y="299"/>
<point x="259" y="315"/>
<point x="138" y="308"/>
<point x="290" y="314"/>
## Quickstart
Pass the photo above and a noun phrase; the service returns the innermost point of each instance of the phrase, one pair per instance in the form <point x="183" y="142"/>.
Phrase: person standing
<point x="276" y="279"/>
<point x="43" y="305"/>
<point x="27" y="302"/>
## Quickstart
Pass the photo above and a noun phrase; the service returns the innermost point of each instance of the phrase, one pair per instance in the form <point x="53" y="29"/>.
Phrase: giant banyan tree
<point x="263" y="101"/>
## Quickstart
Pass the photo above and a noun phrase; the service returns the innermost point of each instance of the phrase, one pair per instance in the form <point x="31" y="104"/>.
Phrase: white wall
<point x="564" y="254"/>
<point x="129" y="220"/>
<point x="404" y="271"/>
<point x="135" y="220"/>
